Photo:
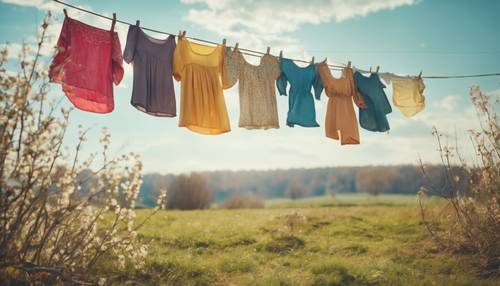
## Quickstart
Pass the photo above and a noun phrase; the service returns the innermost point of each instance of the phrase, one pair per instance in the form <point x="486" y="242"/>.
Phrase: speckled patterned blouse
<point x="258" y="107"/>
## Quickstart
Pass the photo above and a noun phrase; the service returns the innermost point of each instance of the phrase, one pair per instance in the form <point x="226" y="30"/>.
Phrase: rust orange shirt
<point x="341" y="123"/>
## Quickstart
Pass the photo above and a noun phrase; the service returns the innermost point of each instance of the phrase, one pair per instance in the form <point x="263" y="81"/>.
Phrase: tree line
<point x="201" y="189"/>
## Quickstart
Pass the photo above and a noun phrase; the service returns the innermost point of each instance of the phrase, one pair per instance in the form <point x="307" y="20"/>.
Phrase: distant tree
<point x="189" y="192"/>
<point x="374" y="180"/>
<point x="295" y="190"/>
<point x="243" y="201"/>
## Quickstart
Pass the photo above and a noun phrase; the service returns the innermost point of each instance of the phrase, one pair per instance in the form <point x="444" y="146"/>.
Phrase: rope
<point x="258" y="54"/>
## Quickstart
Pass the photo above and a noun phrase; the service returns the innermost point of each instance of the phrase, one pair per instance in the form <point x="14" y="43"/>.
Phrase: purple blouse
<point x="153" y="87"/>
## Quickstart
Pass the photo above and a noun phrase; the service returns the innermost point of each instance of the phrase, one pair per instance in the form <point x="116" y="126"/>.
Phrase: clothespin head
<point x="377" y="69"/>
<point x="268" y="50"/>
<point x="184" y="33"/>
<point x="236" y="46"/>
<point x="281" y="55"/>
<point x="370" y="69"/>
<point x="420" y="74"/>
<point x="349" y="64"/>
<point x="65" y="12"/>
<point x="137" y="23"/>
<point x="326" y="60"/>
<point x="312" y="60"/>
<point x="114" y="22"/>
<point x="223" y="42"/>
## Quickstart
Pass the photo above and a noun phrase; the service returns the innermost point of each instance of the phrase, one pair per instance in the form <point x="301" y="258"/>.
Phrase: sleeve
<point x="275" y="69"/>
<point x="317" y="84"/>
<point x="359" y="100"/>
<point x="386" y="77"/>
<point x="178" y="64"/>
<point x="62" y="52"/>
<point x="128" y="53"/>
<point x="281" y="83"/>
<point x="117" y="59"/>
<point x="231" y="68"/>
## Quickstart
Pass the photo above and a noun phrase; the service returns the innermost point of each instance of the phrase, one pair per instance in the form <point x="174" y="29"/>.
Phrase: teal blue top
<point x="301" y="109"/>
<point x="373" y="118"/>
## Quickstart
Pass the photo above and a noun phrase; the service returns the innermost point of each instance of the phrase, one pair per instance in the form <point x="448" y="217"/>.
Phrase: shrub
<point x="243" y="201"/>
<point x="189" y="192"/>
<point x="470" y="223"/>
<point x="53" y="204"/>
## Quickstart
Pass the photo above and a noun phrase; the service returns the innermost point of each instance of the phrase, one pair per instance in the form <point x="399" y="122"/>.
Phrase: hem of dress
<point x="204" y="130"/>
<point x="141" y="108"/>
<point x="349" y="140"/>
<point x="292" y="124"/>
<point x="257" y="127"/>
<point x="87" y="109"/>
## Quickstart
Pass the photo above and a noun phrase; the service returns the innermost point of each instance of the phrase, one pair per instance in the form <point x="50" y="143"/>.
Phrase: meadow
<point x="344" y="240"/>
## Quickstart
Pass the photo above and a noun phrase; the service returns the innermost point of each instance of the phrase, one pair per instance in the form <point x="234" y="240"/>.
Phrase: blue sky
<point x="400" y="36"/>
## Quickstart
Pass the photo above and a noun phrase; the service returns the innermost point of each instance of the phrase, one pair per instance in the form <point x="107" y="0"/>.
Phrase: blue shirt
<point x="373" y="118"/>
<point x="301" y="109"/>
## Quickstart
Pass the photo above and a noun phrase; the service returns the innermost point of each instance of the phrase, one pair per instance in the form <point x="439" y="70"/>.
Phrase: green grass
<point x="365" y="242"/>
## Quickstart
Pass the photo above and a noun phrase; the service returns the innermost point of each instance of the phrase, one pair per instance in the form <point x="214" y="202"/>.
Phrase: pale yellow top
<point x="200" y="69"/>
<point x="407" y="93"/>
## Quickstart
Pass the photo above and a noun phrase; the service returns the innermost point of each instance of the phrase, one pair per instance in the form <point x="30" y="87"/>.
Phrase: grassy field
<point x="346" y="240"/>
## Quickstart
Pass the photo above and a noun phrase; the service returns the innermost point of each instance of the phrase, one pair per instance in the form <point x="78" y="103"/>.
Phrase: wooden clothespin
<point x="268" y="50"/>
<point x="65" y="12"/>
<point x="325" y="60"/>
<point x="377" y="69"/>
<point x="312" y="60"/>
<point x="114" y="22"/>
<point x="184" y="33"/>
<point x="420" y="74"/>
<point x="281" y="55"/>
<point x="370" y="69"/>
<point x="349" y="64"/>
<point x="236" y="46"/>
<point x="137" y="23"/>
<point x="223" y="42"/>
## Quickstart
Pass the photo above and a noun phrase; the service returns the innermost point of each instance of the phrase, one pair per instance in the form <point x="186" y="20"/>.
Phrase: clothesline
<point x="260" y="54"/>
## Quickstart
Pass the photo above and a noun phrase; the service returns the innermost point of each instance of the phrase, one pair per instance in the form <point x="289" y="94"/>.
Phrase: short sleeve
<point x="231" y="67"/>
<point x="317" y="84"/>
<point x="281" y="83"/>
<point x="117" y="59"/>
<point x="62" y="52"/>
<point x="128" y="53"/>
<point x="386" y="77"/>
<point x="359" y="100"/>
<point x="178" y="63"/>
<point x="274" y="68"/>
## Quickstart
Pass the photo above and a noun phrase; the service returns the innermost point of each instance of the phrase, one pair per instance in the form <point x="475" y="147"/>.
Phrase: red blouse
<point x="87" y="62"/>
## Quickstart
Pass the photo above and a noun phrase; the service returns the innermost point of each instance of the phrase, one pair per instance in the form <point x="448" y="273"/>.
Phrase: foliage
<point x="470" y="223"/>
<point x="50" y="229"/>
<point x="189" y="192"/>
<point x="374" y="180"/>
<point x="243" y="201"/>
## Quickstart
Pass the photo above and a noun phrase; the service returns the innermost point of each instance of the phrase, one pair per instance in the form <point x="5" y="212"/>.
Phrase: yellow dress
<point x="201" y="71"/>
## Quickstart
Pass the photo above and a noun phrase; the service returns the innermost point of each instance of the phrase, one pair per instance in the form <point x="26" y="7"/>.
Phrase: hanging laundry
<point x="407" y="93"/>
<point x="153" y="86"/>
<point x="341" y="122"/>
<point x="374" y="117"/>
<point x="301" y="109"/>
<point x="87" y="63"/>
<point x="230" y="62"/>
<point x="257" y="92"/>
<point x="200" y="69"/>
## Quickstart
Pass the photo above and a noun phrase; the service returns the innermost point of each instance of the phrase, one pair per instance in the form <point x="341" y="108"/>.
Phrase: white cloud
<point x="39" y="4"/>
<point x="448" y="103"/>
<point x="256" y="24"/>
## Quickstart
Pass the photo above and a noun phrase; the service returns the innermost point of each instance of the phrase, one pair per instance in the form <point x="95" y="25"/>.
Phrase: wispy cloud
<point x="257" y="24"/>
